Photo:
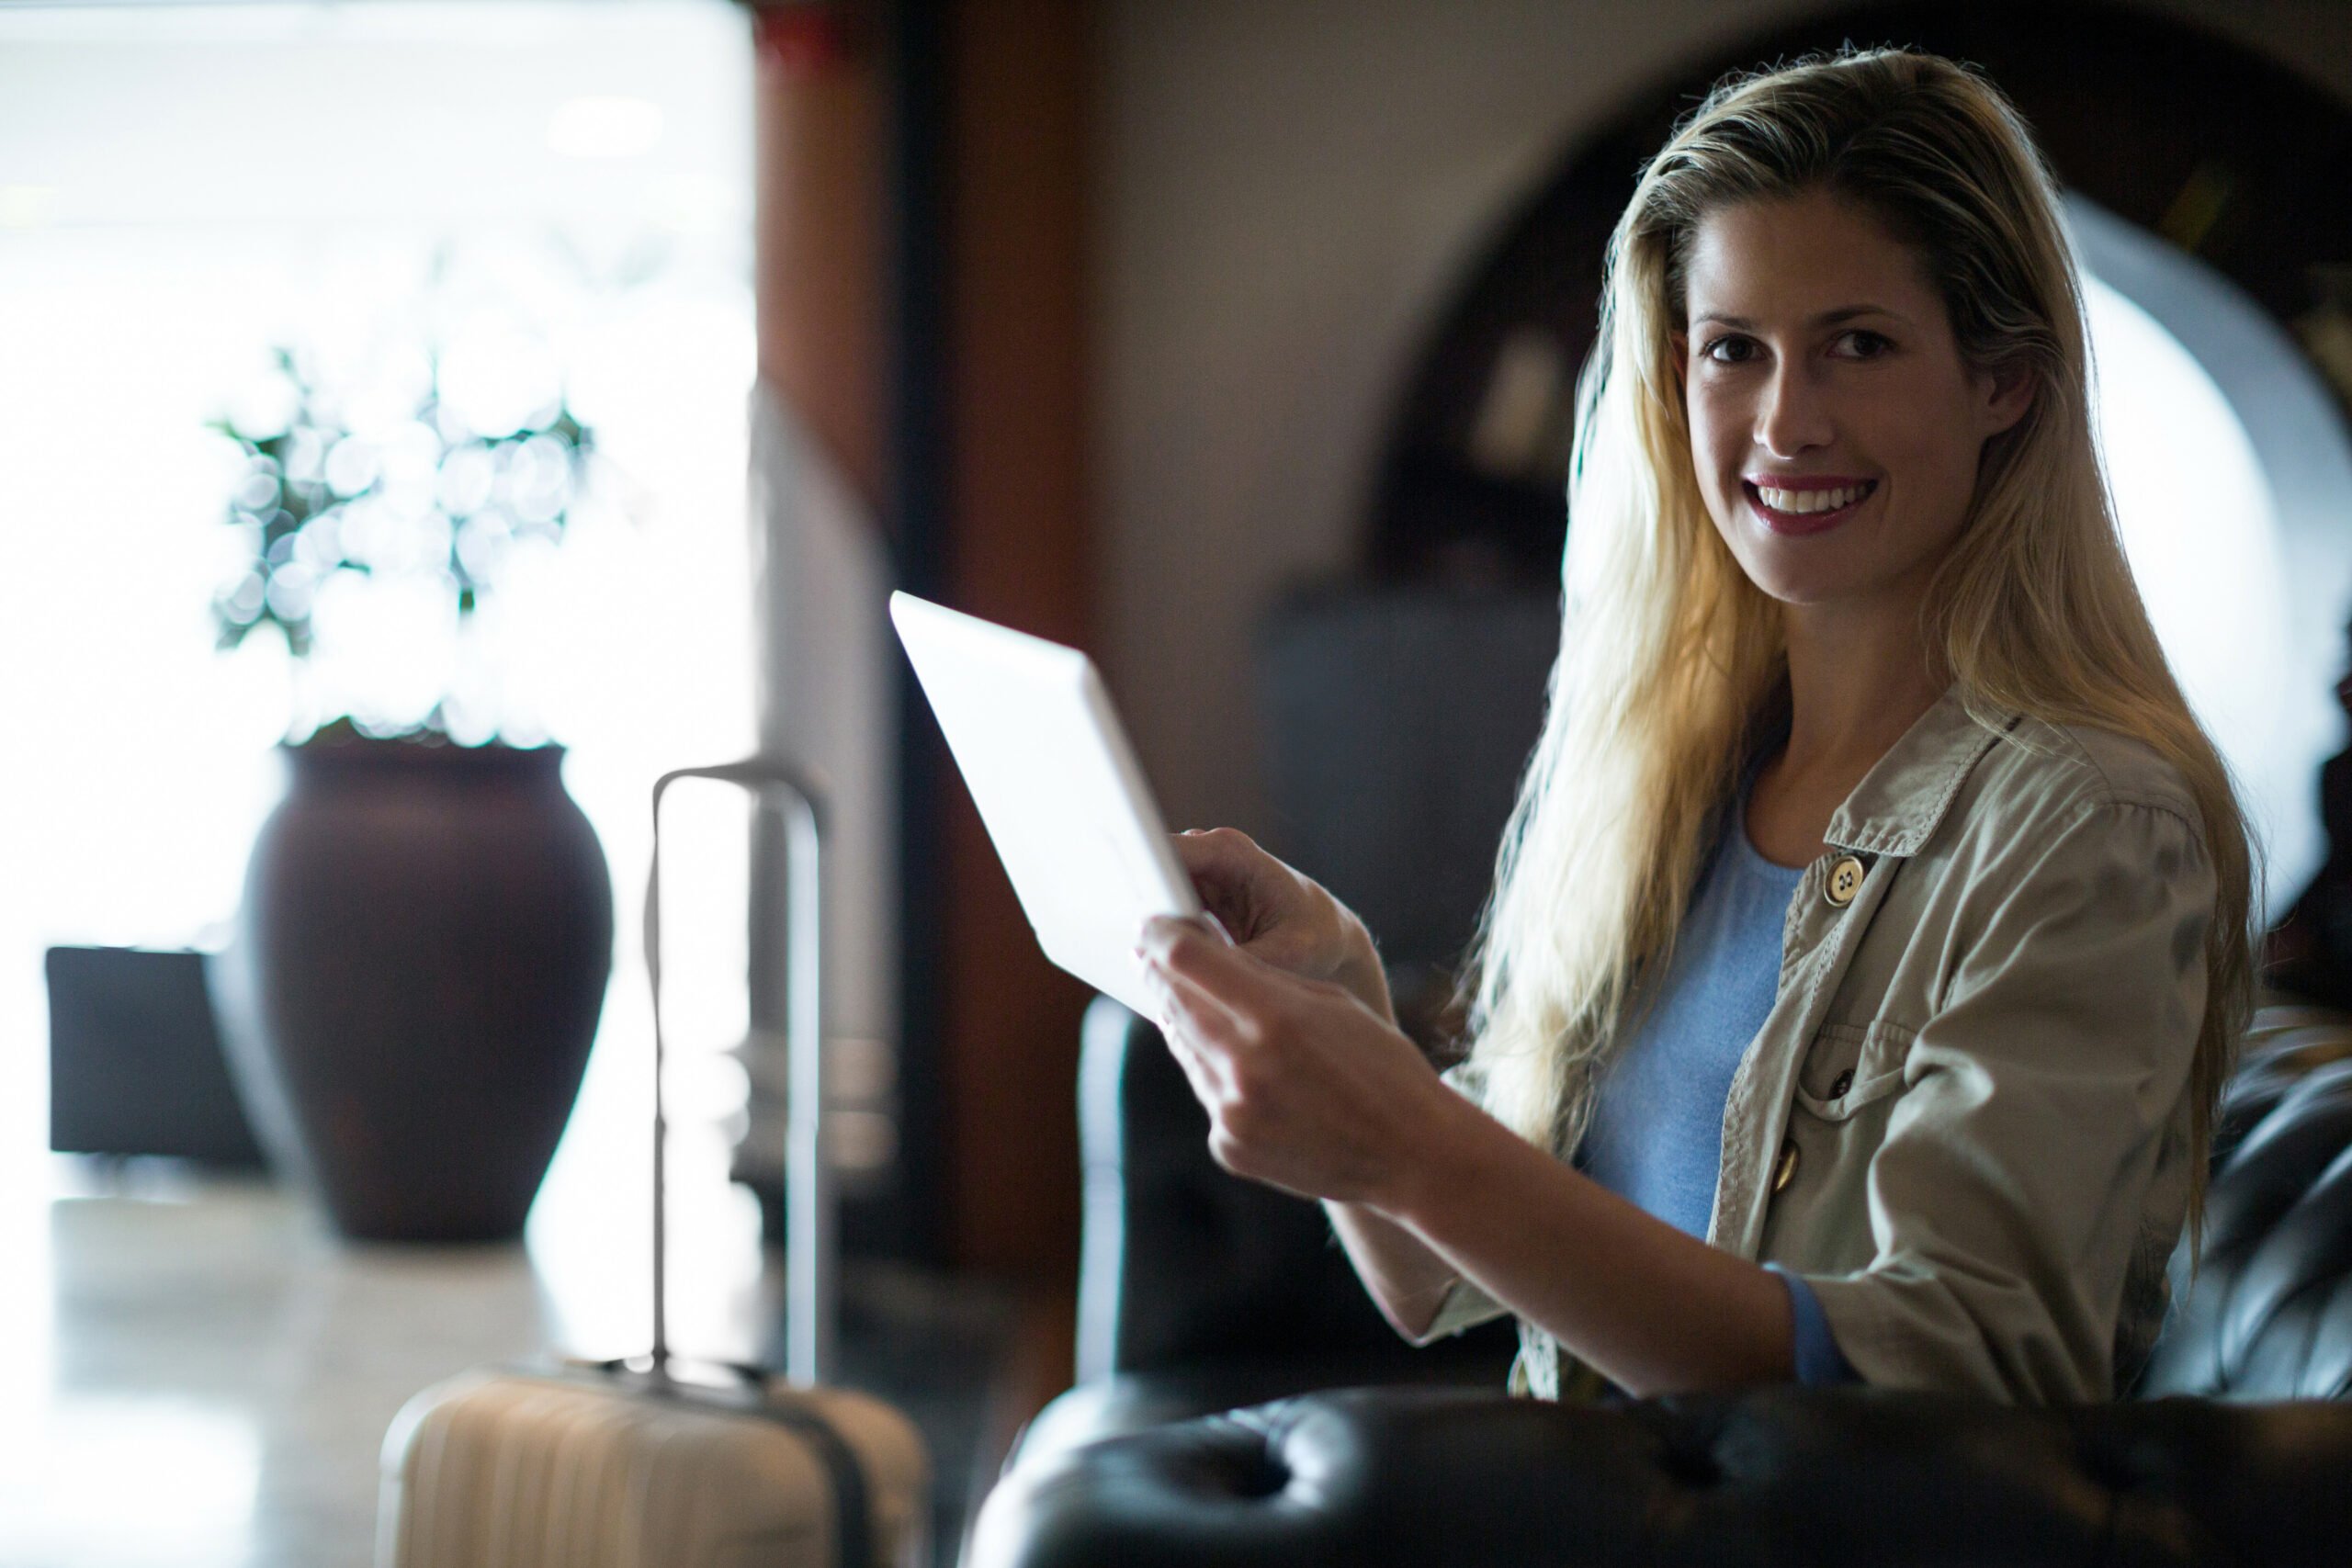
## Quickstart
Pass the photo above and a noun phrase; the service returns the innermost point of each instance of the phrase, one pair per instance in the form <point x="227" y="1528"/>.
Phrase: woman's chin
<point x="1797" y="585"/>
<point x="1816" y="590"/>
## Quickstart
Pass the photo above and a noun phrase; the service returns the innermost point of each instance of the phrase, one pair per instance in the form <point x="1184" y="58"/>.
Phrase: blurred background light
<point x="2197" y="520"/>
<point x="365" y="180"/>
<point x="604" y="127"/>
<point x="2229" y="460"/>
<point x="26" y="207"/>
<point x="61" y="1485"/>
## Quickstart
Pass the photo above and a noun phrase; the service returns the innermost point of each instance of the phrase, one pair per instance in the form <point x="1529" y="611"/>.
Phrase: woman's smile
<point x="1797" y="507"/>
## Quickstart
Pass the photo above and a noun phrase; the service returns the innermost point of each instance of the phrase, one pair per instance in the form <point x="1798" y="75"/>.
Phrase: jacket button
<point x="1845" y="881"/>
<point x="1784" y="1169"/>
<point x="1845" y="1081"/>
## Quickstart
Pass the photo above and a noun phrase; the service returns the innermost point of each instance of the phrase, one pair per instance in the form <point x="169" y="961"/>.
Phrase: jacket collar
<point x="1904" y="795"/>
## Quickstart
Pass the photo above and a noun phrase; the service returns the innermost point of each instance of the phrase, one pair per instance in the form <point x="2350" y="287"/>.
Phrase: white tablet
<point x="1033" y="731"/>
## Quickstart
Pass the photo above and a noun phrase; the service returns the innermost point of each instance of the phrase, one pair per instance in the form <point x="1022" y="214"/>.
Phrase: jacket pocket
<point x="1851" y="1066"/>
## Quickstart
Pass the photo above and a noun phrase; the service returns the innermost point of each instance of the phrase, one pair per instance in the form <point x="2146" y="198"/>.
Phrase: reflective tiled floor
<point x="198" y="1375"/>
<point x="219" y="1376"/>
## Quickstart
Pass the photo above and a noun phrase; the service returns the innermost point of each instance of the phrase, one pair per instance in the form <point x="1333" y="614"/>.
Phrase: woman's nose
<point x="1794" y="413"/>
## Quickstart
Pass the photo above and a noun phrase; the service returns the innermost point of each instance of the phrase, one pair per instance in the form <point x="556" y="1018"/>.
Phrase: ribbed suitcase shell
<point x="505" y="1469"/>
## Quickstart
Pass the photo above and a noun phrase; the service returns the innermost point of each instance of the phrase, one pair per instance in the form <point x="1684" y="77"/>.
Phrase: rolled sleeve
<point x="1819" y="1362"/>
<point x="1465" y="1306"/>
<point x="2006" y="1198"/>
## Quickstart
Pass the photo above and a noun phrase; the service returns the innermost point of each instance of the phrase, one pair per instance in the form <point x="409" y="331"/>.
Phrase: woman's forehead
<point x="1790" y="263"/>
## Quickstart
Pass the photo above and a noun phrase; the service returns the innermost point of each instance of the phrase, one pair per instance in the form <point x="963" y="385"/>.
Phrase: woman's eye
<point x="1863" y="344"/>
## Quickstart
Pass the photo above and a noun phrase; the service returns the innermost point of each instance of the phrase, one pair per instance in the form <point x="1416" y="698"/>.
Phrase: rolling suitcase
<point x="650" y="1464"/>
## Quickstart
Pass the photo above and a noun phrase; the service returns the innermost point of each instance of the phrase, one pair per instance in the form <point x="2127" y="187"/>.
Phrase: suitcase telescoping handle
<point x="810" y="1236"/>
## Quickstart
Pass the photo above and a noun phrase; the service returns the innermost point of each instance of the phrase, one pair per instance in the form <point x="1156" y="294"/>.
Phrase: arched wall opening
<point x="2231" y="472"/>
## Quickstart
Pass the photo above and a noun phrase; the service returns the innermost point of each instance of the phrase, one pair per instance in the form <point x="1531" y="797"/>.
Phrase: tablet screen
<point x="1034" y="733"/>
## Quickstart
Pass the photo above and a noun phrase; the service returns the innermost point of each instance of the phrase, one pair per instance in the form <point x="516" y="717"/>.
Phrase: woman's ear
<point x="1678" y="352"/>
<point x="2009" y="393"/>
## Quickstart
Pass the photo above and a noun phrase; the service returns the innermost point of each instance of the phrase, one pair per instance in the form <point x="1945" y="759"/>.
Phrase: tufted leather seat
<point x="2270" y="1315"/>
<point x="2236" y="1447"/>
<point x="1783" y="1475"/>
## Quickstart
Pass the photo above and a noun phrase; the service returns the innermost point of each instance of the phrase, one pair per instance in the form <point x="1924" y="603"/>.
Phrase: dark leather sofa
<point x="1204" y="1297"/>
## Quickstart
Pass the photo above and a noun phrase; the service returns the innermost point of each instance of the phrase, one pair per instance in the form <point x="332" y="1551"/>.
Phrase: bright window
<point x="2229" y="461"/>
<point x="548" y="190"/>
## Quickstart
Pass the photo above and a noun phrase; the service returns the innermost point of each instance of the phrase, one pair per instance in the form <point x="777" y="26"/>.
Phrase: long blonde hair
<point x="1668" y="651"/>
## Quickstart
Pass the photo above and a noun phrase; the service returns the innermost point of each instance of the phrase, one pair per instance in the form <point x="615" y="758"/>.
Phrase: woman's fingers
<point x="1270" y="910"/>
<point x="1241" y="884"/>
<point x="1197" y="960"/>
<point x="1200" y="1001"/>
<point x="1189" y="1004"/>
<point x="1208" y="1088"/>
<point x="1198" y="1031"/>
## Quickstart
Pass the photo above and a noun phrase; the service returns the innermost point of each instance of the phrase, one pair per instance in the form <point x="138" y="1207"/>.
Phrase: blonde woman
<point x="1870" y="939"/>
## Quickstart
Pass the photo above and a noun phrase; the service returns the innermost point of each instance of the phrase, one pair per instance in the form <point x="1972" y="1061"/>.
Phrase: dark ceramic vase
<point x="419" y="964"/>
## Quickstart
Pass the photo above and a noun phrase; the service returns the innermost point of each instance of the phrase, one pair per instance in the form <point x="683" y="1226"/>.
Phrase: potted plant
<point x="420" y="954"/>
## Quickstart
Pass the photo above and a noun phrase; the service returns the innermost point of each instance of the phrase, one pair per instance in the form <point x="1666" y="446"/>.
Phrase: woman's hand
<point x="1283" y="919"/>
<point x="1306" y="1088"/>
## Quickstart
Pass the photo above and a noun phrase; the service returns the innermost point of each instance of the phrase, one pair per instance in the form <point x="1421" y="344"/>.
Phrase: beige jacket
<point x="1966" y="1118"/>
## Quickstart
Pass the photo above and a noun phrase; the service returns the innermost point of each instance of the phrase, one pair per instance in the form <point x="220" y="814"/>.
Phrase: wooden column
<point x="818" y="234"/>
<point x="1014" y="542"/>
<point x="1020" y="553"/>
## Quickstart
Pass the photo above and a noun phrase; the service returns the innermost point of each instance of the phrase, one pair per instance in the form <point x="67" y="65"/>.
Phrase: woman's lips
<point x="1804" y="522"/>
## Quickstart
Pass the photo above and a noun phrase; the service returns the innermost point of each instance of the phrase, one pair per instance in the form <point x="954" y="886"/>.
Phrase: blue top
<point x="1657" y="1124"/>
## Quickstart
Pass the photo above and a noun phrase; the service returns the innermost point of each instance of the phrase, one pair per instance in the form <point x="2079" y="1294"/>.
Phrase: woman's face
<point x="1834" y="429"/>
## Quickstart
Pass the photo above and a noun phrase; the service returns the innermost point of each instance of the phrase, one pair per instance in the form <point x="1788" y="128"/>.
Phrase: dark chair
<point x="1203" y="1291"/>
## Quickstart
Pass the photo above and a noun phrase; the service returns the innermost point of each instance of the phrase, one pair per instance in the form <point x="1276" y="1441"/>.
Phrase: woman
<point x="1869" y="941"/>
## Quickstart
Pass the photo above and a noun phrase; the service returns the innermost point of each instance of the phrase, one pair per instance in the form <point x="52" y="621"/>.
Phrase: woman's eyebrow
<point x="1827" y="318"/>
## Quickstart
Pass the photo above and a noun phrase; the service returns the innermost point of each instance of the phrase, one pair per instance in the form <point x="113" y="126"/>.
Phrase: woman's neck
<point x="1854" y="688"/>
<point x="1852" y="694"/>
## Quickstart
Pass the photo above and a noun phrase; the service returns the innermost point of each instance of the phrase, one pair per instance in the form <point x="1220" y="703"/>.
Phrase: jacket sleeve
<point x="2005" y="1200"/>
